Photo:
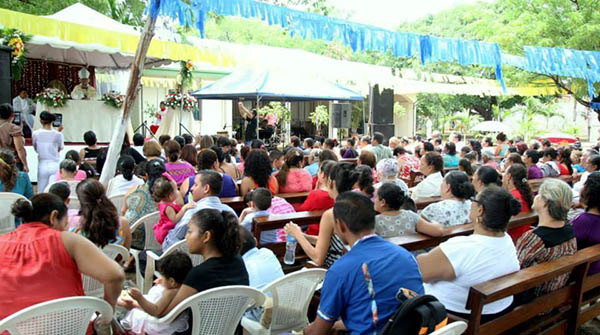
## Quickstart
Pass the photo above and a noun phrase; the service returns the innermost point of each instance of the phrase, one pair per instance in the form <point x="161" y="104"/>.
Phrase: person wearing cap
<point x="48" y="143"/>
<point x="84" y="91"/>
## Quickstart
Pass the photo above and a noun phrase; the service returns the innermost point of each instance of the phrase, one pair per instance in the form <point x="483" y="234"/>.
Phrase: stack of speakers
<point x="383" y="111"/>
<point x="5" y="76"/>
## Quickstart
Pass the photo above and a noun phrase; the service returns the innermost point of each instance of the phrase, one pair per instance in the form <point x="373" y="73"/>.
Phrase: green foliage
<point x="127" y="12"/>
<point x="399" y="110"/>
<point x="320" y="116"/>
<point x="278" y="109"/>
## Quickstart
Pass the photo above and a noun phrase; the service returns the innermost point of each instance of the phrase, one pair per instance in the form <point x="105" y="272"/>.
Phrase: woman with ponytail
<point x="44" y="262"/>
<point x="98" y="219"/>
<point x="515" y="181"/>
<point x="456" y="190"/>
<point x="179" y="169"/>
<point x="327" y="247"/>
<point x="11" y="179"/>
<point x="125" y="179"/>
<point x="364" y="183"/>
<point x="292" y="177"/>
<point x="216" y="236"/>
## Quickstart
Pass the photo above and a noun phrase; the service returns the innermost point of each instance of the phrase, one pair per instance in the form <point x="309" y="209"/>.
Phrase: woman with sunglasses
<point x="454" y="266"/>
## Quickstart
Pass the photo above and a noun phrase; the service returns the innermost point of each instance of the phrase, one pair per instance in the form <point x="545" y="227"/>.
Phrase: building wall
<point x="405" y="125"/>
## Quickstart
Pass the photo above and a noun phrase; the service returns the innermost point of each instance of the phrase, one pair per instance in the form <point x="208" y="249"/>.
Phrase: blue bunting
<point x="596" y="106"/>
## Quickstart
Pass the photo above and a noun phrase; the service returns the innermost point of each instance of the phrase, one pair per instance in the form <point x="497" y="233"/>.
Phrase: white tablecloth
<point x="170" y="123"/>
<point x="80" y="116"/>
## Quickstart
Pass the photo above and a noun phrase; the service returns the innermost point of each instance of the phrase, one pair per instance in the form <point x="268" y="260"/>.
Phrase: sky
<point x="390" y="13"/>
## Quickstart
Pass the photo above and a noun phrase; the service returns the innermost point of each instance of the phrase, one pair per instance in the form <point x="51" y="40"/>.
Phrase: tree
<point x="47" y="7"/>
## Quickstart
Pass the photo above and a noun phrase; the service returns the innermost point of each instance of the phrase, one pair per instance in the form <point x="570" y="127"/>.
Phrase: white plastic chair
<point x="291" y="296"/>
<point x="150" y="242"/>
<point x="217" y="311"/>
<point x="74" y="202"/>
<point x="7" y="220"/>
<point x="66" y="316"/>
<point x="117" y="200"/>
<point x="454" y="328"/>
<point x="91" y="286"/>
<point x="152" y="260"/>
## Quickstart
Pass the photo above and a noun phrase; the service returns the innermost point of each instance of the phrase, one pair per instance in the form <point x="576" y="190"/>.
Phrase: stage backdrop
<point x="38" y="73"/>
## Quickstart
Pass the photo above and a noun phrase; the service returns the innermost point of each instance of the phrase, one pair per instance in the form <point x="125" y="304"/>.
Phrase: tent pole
<point x="257" y="123"/>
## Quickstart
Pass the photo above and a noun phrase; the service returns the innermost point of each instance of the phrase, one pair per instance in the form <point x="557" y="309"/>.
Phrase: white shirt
<point x="48" y="144"/>
<point x="262" y="266"/>
<point x="429" y="187"/>
<point x="20" y="104"/>
<point x="579" y="186"/>
<point x="80" y="93"/>
<point x="459" y="145"/>
<point x="475" y="260"/>
<point x="119" y="185"/>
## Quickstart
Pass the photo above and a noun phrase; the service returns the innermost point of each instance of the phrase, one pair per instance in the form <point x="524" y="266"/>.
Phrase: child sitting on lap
<point x="173" y="270"/>
<point x="165" y="191"/>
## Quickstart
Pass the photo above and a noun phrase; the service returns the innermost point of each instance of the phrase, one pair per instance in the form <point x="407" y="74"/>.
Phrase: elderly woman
<point x="387" y="172"/>
<point x="313" y="166"/>
<point x="553" y="238"/>
<point x="456" y="190"/>
<point x="152" y="150"/>
<point x="454" y="266"/>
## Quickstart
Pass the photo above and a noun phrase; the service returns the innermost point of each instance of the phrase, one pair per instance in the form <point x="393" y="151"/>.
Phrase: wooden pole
<point x="114" y="149"/>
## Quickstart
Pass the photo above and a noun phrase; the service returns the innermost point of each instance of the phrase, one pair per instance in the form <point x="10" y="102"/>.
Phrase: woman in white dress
<point x="48" y="143"/>
<point x="126" y="180"/>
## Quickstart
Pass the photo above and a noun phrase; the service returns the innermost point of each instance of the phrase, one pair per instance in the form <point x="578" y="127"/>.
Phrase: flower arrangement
<point x="186" y="72"/>
<point x="173" y="100"/>
<point x="52" y="97"/>
<point x="114" y="99"/>
<point x="16" y="40"/>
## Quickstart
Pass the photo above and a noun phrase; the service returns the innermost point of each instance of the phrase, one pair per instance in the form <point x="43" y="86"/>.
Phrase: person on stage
<point x="84" y="91"/>
<point x="252" y="119"/>
<point x="22" y="104"/>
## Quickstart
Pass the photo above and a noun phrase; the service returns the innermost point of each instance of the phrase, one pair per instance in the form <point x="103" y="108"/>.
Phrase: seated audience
<point x="225" y="168"/>
<point x="487" y="158"/>
<point x="456" y="265"/>
<point x="152" y="150"/>
<point x="387" y="172"/>
<point x="531" y="159"/>
<point x="276" y="157"/>
<point x="486" y="176"/>
<point x="67" y="173"/>
<point x="378" y="149"/>
<point x="262" y="265"/>
<point x="190" y="154"/>
<point x="257" y="173"/>
<point x="313" y="160"/>
<point x="215" y="235"/>
<point x="550" y="166"/>
<point x="125" y="180"/>
<point x="592" y="164"/>
<point x="565" y="164"/>
<point x="586" y="226"/>
<point x="456" y="190"/>
<point x="367" y="158"/>
<point x="138" y="143"/>
<point x="208" y="160"/>
<point x="553" y="237"/>
<point x="464" y="165"/>
<point x="350" y="151"/>
<point x="91" y="150"/>
<point x="394" y="221"/>
<point x="344" y="294"/>
<point x="577" y="163"/>
<point x="432" y="165"/>
<point x="42" y="253"/>
<point x="260" y="201"/>
<point x="319" y="199"/>
<point x="177" y="168"/>
<point x="165" y="193"/>
<point x="511" y="158"/>
<point x="292" y="177"/>
<point x="501" y="145"/>
<point x="11" y="179"/>
<point x="450" y="157"/>
<point x="515" y="182"/>
<point x="365" y="181"/>
<point x="406" y="162"/>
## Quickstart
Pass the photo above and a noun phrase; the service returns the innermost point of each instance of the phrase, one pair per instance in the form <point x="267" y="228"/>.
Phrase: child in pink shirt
<point x="165" y="192"/>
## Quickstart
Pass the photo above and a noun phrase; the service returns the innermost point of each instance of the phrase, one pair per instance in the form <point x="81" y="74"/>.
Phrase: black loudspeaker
<point x="383" y="105"/>
<point x="386" y="129"/>
<point x="341" y="115"/>
<point x="5" y="76"/>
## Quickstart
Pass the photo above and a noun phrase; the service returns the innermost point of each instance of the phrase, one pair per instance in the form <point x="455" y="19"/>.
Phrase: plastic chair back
<point x="148" y="222"/>
<point x="152" y="260"/>
<point x="7" y="220"/>
<point x="117" y="200"/>
<point x="91" y="286"/>
<point x="454" y="328"/>
<point x="66" y="316"/>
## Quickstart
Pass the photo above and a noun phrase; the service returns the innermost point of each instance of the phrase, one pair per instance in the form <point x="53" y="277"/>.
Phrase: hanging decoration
<point x="16" y="40"/>
<point x="113" y="99"/>
<point x="173" y="100"/>
<point x="185" y="73"/>
<point x="52" y="97"/>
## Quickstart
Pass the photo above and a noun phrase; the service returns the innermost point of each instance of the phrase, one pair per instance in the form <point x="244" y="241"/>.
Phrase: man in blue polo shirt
<point x="360" y="288"/>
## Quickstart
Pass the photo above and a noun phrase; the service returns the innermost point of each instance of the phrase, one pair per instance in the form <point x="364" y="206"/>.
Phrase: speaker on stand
<point x="5" y="75"/>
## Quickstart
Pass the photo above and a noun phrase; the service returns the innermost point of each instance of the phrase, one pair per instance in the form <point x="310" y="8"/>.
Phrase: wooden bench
<point x="424" y="202"/>
<point x="535" y="184"/>
<point x="565" y="304"/>
<point x="238" y="204"/>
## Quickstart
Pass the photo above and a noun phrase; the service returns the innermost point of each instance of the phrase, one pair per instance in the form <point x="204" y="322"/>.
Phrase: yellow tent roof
<point x="107" y="40"/>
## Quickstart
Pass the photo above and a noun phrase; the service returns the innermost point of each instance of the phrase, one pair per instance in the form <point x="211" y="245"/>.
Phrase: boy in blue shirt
<point x="360" y="288"/>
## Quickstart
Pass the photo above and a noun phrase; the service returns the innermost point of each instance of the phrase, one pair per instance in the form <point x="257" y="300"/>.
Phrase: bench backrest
<point x="278" y="221"/>
<point x="238" y="204"/>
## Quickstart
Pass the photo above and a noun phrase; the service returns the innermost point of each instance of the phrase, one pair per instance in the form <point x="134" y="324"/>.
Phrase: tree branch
<point x="559" y="84"/>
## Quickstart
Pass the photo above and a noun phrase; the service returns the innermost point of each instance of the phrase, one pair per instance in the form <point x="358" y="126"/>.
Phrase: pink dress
<point x="180" y="171"/>
<point x="161" y="229"/>
<point x="298" y="180"/>
<point x="79" y="176"/>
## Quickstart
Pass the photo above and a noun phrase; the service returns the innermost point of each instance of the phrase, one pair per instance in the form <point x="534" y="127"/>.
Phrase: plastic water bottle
<point x="290" y="250"/>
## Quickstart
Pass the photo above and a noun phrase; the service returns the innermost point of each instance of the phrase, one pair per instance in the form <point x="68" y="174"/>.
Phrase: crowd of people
<point x="360" y="184"/>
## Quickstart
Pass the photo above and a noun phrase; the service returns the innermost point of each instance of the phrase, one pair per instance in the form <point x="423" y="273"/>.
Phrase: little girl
<point x="165" y="191"/>
<point x="173" y="270"/>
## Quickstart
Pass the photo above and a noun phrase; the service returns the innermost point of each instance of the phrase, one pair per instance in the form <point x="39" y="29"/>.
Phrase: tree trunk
<point x="114" y="149"/>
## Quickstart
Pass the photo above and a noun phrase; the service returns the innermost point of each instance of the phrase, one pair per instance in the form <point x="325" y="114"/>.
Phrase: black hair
<point x="428" y="147"/>
<point x="248" y="241"/>
<point x="257" y="166"/>
<point x="179" y="140"/>
<point x="534" y="155"/>
<point x="140" y="169"/>
<point x="326" y="167"/>
<point x="489" y="141"/>
<point x="450" y="148"/>
<point x="466" y="165"/>
<point x="309" y="142"/>
<point x="61" y="190"/>
<point x="476" y="146"/>
<point x="47" y="117"/>
<point x="329" y="143"/>
<point x="399" y="151"/>
<point x="99" y="216"/>
<point x="351" y="141"/>
<point x="366" y="138"/>
<point x="565" y="158"/>
<point x="275" y="154"/>
<point x="223" y="141"/>
<point x="189" y="139"/>
<point x="6" y="111"/>
<point x="489" y="176"/>
<point x="172" y="150"/>
<point x="257" y="144"/>
<point x="514" y="158"/>
<point x="435" y="160"/>
<point x="326" y="155"/>
<point x="162" y="188"/>
<point x="176" y="265"/>
<point x="458" y="136"/>
<point x="498" y="207"/>
<point x="465" y="149"/>
<point x="154" y="169"/>
<point x="460" y="186"/>
<point x="224" y="228"/>
<point x="261" y="197"/>
<point x="344" y="176"/>
<point x="39" y="208"/>
<point x="392" y="194"/>
<point x="437" y="141"/>
<point x="591" y="189"/>
<point x="219" y="151"/>
<point x="377" y="136"/>
<point x="546" y="143"/>
<point x="518" y="173"/>
<point x="189" y="154"/>
<point x="292" y="159"/>
<point x="594" y="160"/>
<point x="365" y="179"/>
<point x="550" y="152"/>
<point x="89" y="137"/>
<point x="213" y="179"/>
<point x="501" y="137"/>
<point x="125" y="165"/>
<point x="206" y="159"/>
<point x="355" y="210"/>
<point x="163" y="138"/>
<point x="68" y="165"/>
<point x="295" y="140"/>
<point x="73" y="155"/>
<point x="138" y="139"/>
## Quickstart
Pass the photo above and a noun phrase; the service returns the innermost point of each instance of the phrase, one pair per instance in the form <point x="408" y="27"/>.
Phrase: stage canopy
<point x="272" y="85"/>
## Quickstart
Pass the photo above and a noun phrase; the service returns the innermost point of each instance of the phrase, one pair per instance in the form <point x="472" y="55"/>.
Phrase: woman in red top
<point x="565" y="164"/>
<point x="41" y="262"/>
<point x="319" y="199"/>
<point x="515" y="181"/>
